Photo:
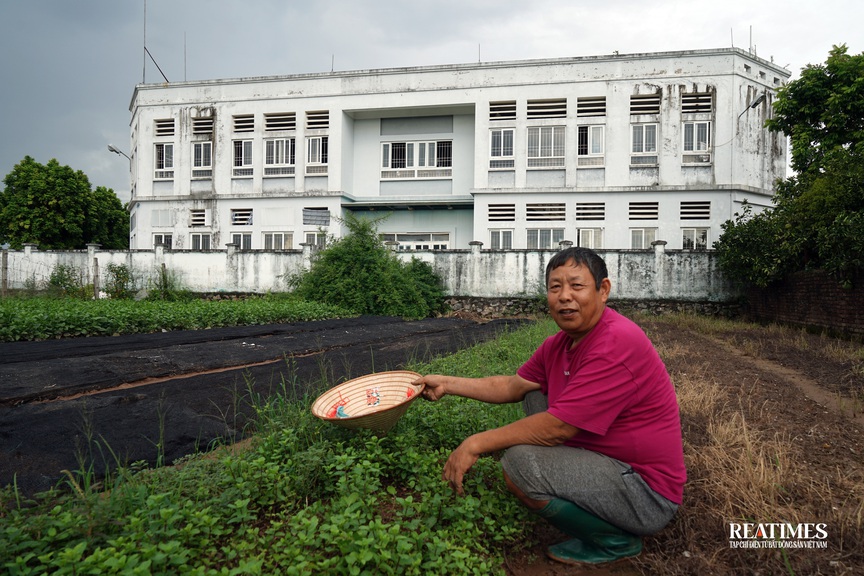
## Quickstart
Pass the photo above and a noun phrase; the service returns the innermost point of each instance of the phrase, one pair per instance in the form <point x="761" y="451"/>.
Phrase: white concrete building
<point x="607" y="152"/>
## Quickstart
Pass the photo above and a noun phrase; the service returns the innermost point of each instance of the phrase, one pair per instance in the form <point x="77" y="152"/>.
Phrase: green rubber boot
<point x="595" y="540"/>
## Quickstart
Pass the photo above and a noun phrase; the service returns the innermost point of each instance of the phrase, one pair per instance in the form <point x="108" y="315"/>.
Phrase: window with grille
<point x="641" y="238"/>
<point x="416" y="159"/>
<point x="164" y="162"/>
<point x="501" y="148"/>
<point x="317" y="154"/>
<point x="165" y="127"/>
<point x="163" y="239"/>
<point x="501" y="239"/>
<point x="316" y="216"/>
<point x="696" y="210"/>
<point x="502" y="212"/>
<point x="694" y="238"/>
<point x="202" y="125"/>
<point x="644" y="104"/>
<point x="202" y="159"/>
<point x="503" y="110"/>
<point x="590" y="211"/>
<point x="643" y="148"/>
<point x="241" y="217"/>
<point x="535" y="212"/>
<point x="589" y="145"/>
<point x="282" y="121"/>
<point x="644" y="210"/>
<point x="199" y="217"/>
<point x="200" y="241"/>
<point x="318" y="120"/>
<point x="242" y="158"/>
<point x="702" y="102"/>
<point x="553" y="108"/>
<point x="278" y="240"/>
<point x="545" y="146"/>
<point x="591" y="106"/>
<point x="244" y="123"/>
<point x="544" y="238"/>
<point x="279" y="157"/>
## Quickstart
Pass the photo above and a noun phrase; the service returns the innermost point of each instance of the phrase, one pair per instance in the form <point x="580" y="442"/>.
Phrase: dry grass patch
<point x="742" y="467"/>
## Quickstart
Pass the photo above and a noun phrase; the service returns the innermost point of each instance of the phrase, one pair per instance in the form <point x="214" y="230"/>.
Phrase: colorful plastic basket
<point x="375" y="401"/>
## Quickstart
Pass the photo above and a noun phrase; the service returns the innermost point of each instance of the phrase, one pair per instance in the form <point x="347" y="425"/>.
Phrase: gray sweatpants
<point x="605" y="487"/>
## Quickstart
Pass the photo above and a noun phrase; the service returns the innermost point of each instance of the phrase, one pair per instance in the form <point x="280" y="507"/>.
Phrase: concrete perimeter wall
<point x="674" y="275"/>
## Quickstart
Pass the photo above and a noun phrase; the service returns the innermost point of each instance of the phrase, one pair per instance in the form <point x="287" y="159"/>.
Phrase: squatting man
<point x="599" y="452"/>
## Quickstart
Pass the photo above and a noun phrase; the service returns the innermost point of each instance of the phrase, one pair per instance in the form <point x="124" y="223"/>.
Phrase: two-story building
<point x="605" y="151"/>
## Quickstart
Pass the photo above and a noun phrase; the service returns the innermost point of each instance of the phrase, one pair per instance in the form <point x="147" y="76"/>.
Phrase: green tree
<point x="817" y="219"/>
<point x="54" y="206"/>
<point x="359" y="273"/>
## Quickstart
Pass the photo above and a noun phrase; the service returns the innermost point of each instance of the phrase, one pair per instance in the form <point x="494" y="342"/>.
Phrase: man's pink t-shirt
<point x="614" y="387"/>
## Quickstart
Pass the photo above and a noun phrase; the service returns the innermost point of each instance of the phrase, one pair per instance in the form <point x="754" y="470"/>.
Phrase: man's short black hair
<point x="581" y="257"/>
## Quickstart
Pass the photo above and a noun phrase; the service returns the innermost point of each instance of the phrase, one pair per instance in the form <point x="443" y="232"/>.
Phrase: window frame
<point x="587" y="154"/>
<point x="242" y="162"/>
<point x="537" y="241"/>
<point x="646" y="155"/>
<point x="280" y="156"/>
<point x="496" y="238"/>
<point x="693" y="125"/>
<point x="646" y="239"/>
<point x="159" y="238"/>
<point x="416" y="159"/>
<point x="163" y="161"/>
<point x="596" y="234"/>
<point x="199" y="238"/>
<point x="550" y="155"/>
<point x="245" y="240"/>
<point x="199" y="168"/>
<point x="695" y="243"/>
<point x="317" y="154"/>
<point x="498" y="154"/>
<point x="269" y="238"/>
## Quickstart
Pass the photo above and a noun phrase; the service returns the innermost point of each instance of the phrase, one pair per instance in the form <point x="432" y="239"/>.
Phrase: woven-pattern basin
<point x="375" y="401"/>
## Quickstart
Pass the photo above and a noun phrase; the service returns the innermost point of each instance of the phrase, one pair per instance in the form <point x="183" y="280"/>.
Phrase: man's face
<point x="574" y="301"/>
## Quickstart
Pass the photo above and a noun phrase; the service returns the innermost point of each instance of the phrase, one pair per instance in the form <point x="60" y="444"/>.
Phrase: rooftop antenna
<point x="332" y="62"/>
<point x="478" y="53"/>
<point x="144" y="72"/>
<point x="184" y="55"/>
<point x="147" y="52"/>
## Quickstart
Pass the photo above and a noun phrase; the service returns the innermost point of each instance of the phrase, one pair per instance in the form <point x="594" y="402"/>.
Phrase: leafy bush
<point x="119" y="282"/>
<point x="359" y="273"/>
<point x="67" y="280"/>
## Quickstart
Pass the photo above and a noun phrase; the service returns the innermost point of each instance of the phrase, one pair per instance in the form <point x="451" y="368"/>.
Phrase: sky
<point x="68" y="68"/>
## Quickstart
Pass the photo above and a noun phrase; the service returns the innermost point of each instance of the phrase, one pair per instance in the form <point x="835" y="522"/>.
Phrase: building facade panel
<point x="611" y="152"/>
